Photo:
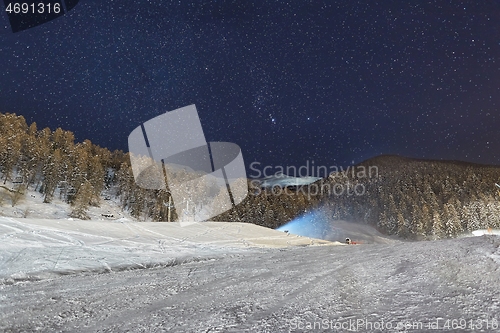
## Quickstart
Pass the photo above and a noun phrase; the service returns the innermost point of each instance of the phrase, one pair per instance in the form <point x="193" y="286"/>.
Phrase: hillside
<point x="51" y="166"/>
<point x="33" y="249"/>
<point x="410" y="198"/>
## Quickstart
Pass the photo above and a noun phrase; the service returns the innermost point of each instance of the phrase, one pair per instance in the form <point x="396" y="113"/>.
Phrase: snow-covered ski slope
<point x="434" y="286"/>
<point x="481" y="232"/>
<point x="310" y="225"/>
<point x="37" y="248"/>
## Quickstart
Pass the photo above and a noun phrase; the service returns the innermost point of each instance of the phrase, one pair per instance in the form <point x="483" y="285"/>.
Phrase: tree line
<point x="415" y="199"/>
<point x="81" y="173"/>
<point x="409" y="198"/>
<point x="422" y="199"/>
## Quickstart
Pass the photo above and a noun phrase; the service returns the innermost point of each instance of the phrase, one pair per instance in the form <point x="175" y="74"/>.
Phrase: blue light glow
<point x="311" y="224"/>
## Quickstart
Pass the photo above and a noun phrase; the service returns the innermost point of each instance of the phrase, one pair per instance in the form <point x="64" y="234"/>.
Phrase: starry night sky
<point x="324" y="81"/>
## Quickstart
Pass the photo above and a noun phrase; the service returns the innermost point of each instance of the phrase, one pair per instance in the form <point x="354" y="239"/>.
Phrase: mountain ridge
<point x="410" y="198"/>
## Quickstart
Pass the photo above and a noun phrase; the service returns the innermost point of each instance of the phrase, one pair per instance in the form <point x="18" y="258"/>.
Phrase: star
<point x="327" y="77"/>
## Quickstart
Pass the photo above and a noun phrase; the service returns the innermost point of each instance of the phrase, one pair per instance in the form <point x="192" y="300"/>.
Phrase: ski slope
<point x="122" y="276"/>
<point x="481" y="232"/>
<point x="32" y="249"/>
<point x="316" y="225"/>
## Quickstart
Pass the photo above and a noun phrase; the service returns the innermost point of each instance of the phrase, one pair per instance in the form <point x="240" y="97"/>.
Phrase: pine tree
<point x="30" y="161"/>
<point x="13" y="131"/>
<point x="426" y="220"/>
<point x="392" y="211"/>
<point x="452" y="222"/>
<point x="417" y="222"/>
<point x="52" y="174"/>
<point x="402" y="226"/>
<point x="437" y="225"/>
<point x="82" y="201"/>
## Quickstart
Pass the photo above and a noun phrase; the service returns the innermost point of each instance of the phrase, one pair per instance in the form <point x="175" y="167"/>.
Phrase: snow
<point x="448" y="285"/>
<point x="32" y="249"/>
<point x="31" y="205"/>
<point x="117" y="275"/>
<point x="316" y="224"/>
<point x="481" y="232"/>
